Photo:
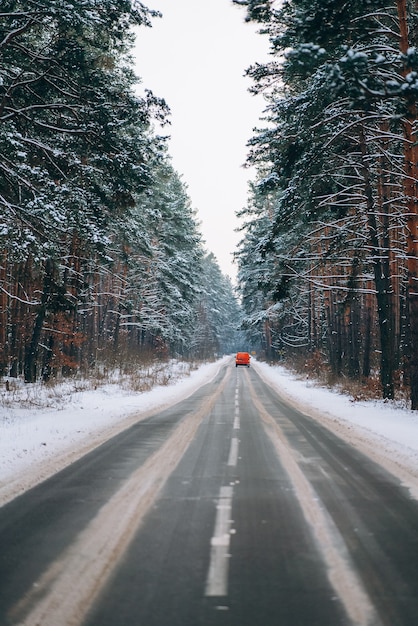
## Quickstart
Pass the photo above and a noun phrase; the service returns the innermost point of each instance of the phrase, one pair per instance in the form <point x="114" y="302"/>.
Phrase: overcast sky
<point x="195" y="57"/>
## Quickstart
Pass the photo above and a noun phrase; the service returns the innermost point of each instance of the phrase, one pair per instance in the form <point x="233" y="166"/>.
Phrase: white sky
<point x="195" y="57"/>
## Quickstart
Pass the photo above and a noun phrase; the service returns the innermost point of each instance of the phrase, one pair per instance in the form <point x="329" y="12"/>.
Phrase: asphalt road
<point x="228" y="509"/>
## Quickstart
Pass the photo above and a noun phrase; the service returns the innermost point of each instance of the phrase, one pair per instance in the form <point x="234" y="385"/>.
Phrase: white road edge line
<point x="217" y="578"/>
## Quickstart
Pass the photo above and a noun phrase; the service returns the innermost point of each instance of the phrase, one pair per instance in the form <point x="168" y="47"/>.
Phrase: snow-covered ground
<point x="44" y="429"/>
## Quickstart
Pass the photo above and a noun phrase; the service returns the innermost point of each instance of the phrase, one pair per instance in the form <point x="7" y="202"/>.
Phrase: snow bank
<point x="396" y="423"/>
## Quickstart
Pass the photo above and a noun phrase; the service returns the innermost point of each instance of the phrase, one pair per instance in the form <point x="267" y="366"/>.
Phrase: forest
<point x="101" y="258"/>
<point x="328" y="258"/>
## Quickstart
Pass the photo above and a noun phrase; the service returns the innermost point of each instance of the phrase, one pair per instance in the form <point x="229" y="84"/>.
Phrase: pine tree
<point x="217" y="330"/>
<point x="75" y="145"/>
<point x="341" y="103"/>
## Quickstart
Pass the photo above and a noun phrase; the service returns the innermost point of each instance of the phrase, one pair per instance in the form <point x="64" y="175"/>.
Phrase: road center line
<point x="233" y="452"/>
<point x="217" y="578"/>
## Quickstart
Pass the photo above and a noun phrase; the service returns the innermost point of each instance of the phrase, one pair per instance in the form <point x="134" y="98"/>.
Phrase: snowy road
<point x="229" y="508"/>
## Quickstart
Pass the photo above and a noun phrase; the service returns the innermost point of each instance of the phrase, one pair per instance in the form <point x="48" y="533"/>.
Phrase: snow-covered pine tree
<point x="336" y="90"/>
<point x="260" y="272"/>
<point x="75" y="146"/>
<point x="217" y="330"/>
<point x="178" y="253"/>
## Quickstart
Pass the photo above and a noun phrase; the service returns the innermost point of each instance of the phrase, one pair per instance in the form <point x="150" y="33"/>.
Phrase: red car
<point x="242" y="358"/>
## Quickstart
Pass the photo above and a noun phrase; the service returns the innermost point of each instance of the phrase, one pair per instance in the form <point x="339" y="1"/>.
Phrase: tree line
<point x="328" y="261"/>
<point x="101" y="258"/>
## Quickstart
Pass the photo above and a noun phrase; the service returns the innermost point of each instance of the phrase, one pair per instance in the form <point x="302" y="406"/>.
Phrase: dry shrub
<point x="312" y="366"/>
<point x="315" y="367"/>
<point x="366" y="389"/>
<point x="315" y="364"/>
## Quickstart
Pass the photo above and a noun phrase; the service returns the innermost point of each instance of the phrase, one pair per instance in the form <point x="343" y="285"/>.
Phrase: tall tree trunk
<point x="384" y="294"/>
<point x="367" y="343"/>
<point x="410" y="182"/>
<point x="31" y="354"/>
<point x="334" y="335"/>
<point x="23" y="283"/>
<point x="352" y="321"/>
<point x="267" y="341"/>
<point x="4" y="306"/>
<point x="389" y="242"/>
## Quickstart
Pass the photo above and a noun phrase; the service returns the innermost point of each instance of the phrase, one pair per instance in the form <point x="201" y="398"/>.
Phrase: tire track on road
<point x="341" y="572"/>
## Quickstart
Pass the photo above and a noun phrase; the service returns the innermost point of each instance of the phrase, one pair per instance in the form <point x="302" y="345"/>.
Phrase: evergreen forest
<point x="328" y="259"/>
<point x="101" y="258"/>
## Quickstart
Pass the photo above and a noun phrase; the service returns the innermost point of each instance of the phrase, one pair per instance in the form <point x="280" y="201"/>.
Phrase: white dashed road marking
<point x="217" y="578"/>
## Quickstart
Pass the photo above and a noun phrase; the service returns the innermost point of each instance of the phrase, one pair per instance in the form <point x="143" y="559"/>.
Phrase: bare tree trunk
<point x="367" y="343"/>
<point x="410" y="182"/>
<point x="267" y="338"/>
<point x="384" y="294"/>
<point x="31" y="353"/>
<point x="4" y="305"/>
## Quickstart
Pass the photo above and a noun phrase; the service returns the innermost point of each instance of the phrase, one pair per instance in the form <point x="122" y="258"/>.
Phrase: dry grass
<point x="136" y="378"/>
<point x="317" y="369"/>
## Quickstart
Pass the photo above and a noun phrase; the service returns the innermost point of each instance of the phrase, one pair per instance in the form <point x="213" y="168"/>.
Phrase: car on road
<point x="242" y="358"/>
